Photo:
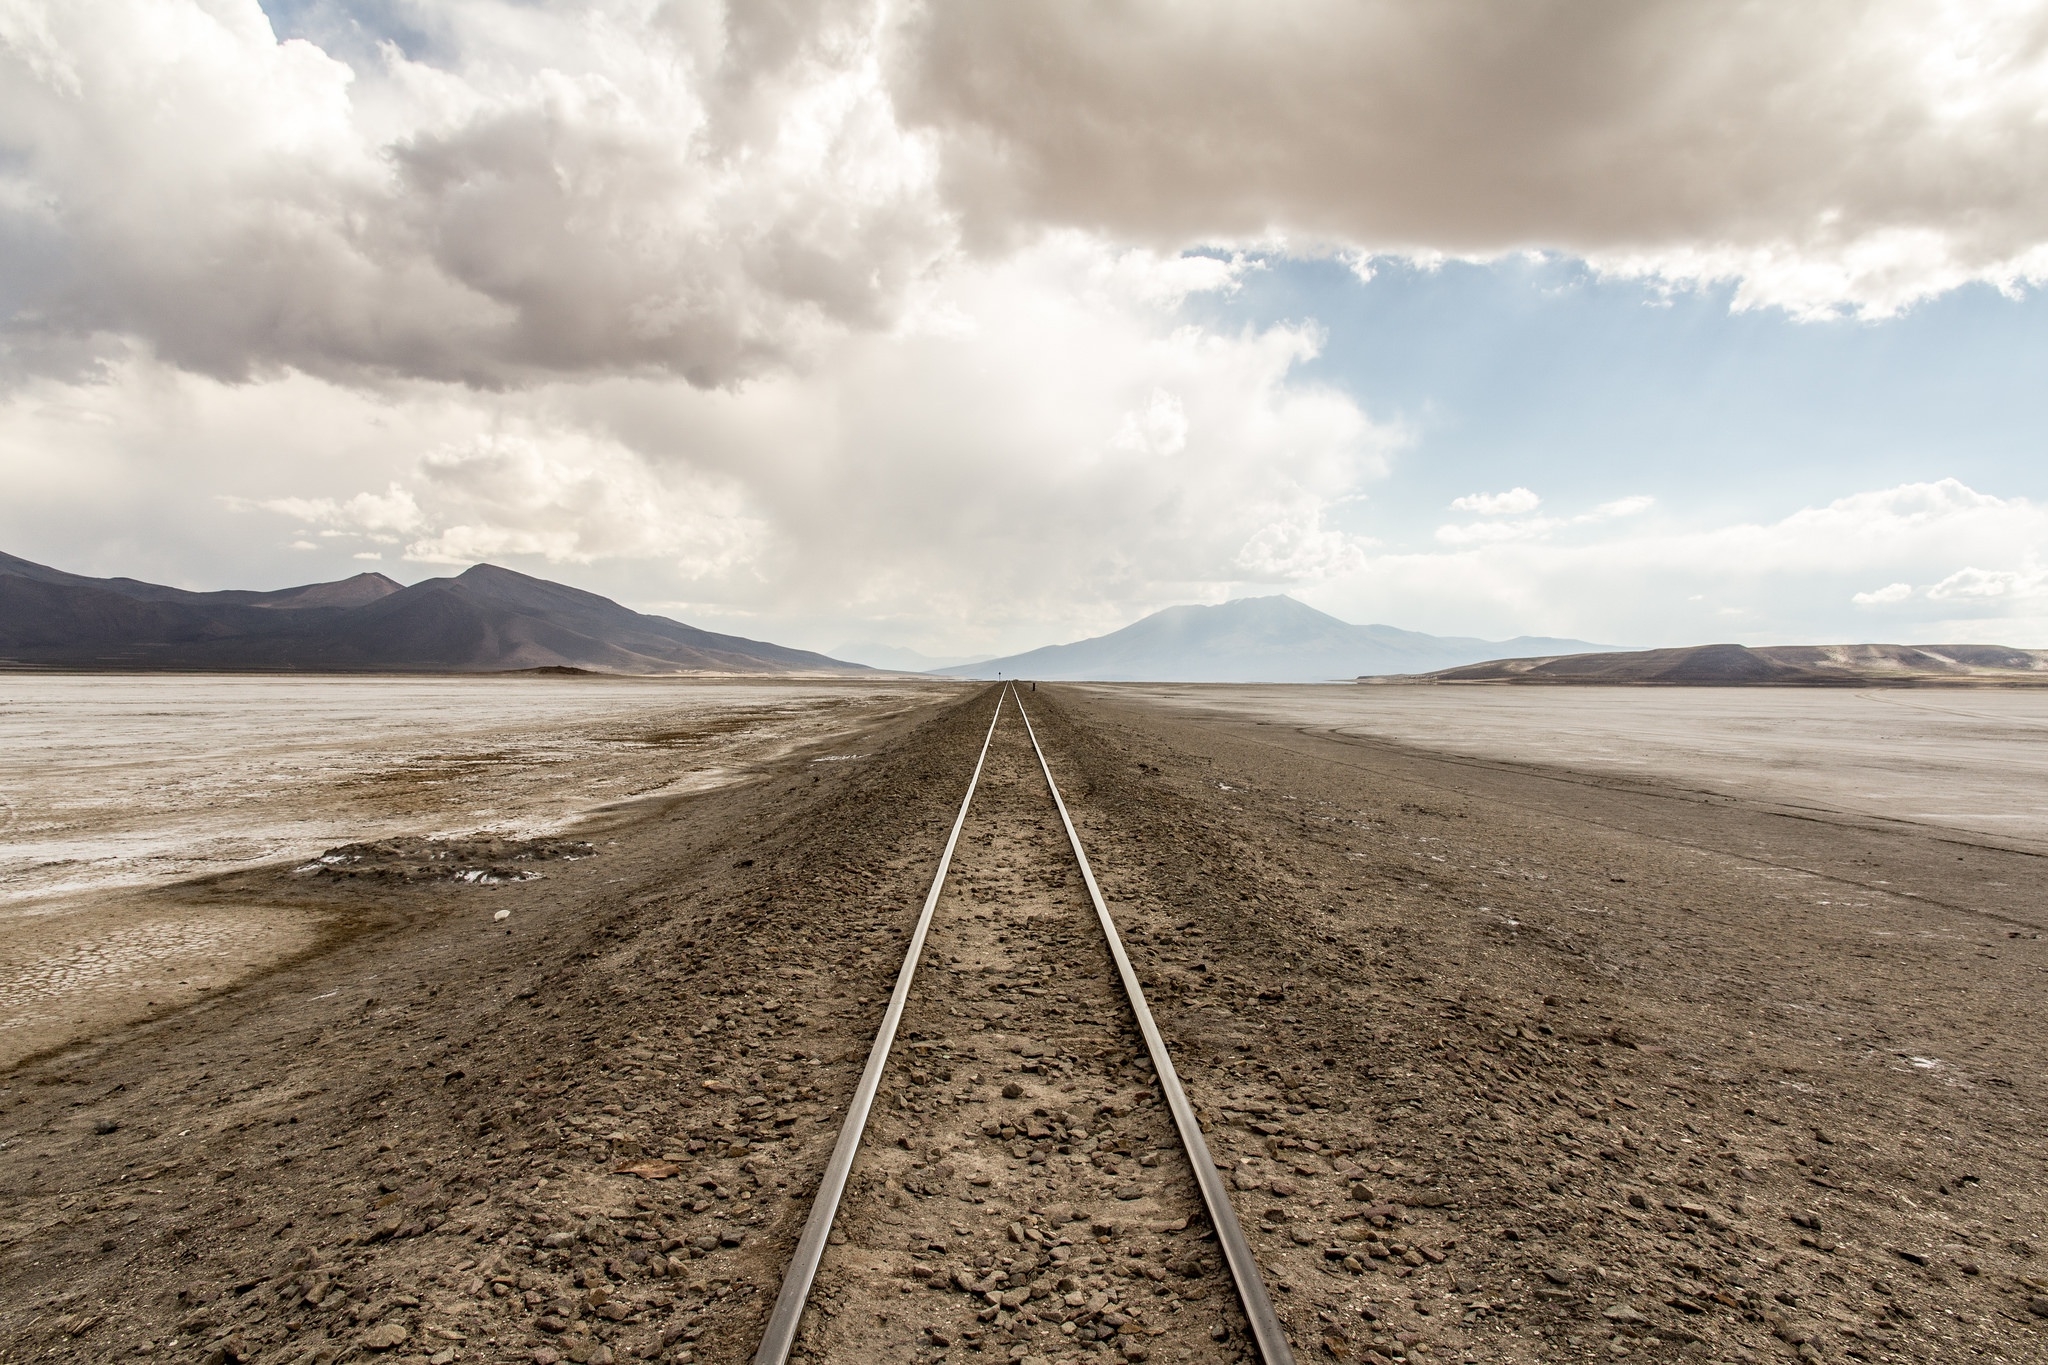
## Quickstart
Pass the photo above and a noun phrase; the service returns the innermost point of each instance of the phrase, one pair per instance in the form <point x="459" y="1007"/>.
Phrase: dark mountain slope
<point x="486" y="619"/>
<point x="346" y="592"/>
<point x="37" y="614"/>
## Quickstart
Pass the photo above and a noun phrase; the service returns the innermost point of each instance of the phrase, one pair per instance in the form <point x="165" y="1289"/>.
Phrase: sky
<point x="966" y="329"/>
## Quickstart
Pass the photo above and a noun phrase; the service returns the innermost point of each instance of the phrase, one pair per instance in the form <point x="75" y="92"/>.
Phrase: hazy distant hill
<point x="1254" y="639"/>
<point x="485" y="619"/>
<point x="1769" y="666"/>
<point x="898" y="659"/>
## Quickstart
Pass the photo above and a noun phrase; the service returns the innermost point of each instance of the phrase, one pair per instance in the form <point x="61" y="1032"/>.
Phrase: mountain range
<point x="1253" y="639"/>
<point x="485" y="619"/>
<point x="1729" y="665"/>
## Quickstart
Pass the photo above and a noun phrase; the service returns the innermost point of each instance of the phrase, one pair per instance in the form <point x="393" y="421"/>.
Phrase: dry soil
<point x="1506" y="1062"/>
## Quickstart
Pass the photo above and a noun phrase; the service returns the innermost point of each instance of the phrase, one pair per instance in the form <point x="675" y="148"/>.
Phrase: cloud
<point x="570" y="498"/>
<point x="920" y="482"/>
<point x="718" y="192"/>
<point x="1529" y="528"/>
<point x="558" y="494"/>
<point x="1972" y="582"/>
<point x="1515" y="500"/>
<point x="1161" y="429"/>
<point x="1824" y="156"/>
<point x="1044" y="438"/>
<point x="585" y="189"/>
<point x="363" y="514"/>
<point x="1652" y="582"/>
<point x="1480" y="532"/>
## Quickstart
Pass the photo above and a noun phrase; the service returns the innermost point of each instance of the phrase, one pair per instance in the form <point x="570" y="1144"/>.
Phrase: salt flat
<point x="109" y="780"/>
<point x="113" y="785"/>
<point x="1968" y="759"/>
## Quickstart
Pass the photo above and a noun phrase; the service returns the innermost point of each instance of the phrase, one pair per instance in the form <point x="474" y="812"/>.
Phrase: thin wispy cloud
<point x="1512" y="502"/>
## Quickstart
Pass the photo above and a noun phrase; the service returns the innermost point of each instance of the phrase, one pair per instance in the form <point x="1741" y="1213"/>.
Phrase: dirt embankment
<point x="1504" y="1067"/>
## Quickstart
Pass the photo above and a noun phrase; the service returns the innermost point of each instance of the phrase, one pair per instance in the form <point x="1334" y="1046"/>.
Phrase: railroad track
<point x="787" y="1317"/>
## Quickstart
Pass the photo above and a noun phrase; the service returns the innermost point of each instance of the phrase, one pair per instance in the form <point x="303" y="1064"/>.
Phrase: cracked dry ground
<point x="1507" y="1064"/>
<point x="1021" y="1188"/>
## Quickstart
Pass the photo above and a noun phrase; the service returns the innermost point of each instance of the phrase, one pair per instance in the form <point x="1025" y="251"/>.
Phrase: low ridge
<point x="1731" y="665"/>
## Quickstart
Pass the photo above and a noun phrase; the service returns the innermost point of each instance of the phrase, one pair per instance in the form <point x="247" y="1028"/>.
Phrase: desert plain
<point x="1690" y="1025"/>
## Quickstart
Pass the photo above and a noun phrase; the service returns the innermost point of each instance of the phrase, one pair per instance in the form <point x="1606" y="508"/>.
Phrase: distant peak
<point x="1278" y="601"/>
<point x="1277" y="606"/>
<point x="358" y="590"/>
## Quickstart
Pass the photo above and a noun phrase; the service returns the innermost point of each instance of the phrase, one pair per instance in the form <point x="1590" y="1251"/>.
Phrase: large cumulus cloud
<point x="586" y="189"/>
<point x="1040" y="439"/>
<point x="1832" y="153"/>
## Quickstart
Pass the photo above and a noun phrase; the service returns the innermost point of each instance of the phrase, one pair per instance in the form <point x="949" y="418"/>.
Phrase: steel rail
<point x="1267" y="1333"/>
<point x="780" y="1335"/>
